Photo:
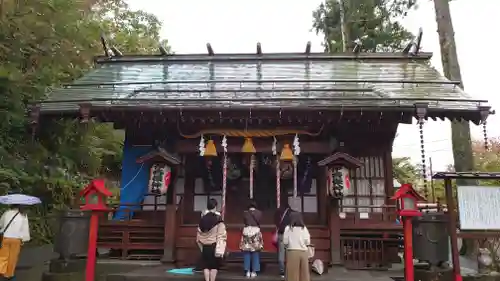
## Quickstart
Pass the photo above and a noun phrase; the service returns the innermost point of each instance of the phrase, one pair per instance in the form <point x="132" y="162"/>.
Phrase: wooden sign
<point x="479" y="207"/>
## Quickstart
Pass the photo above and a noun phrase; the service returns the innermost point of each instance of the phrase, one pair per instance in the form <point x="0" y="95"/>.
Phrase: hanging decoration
<point x="296" y="153"/>
<point x="296" y="145"/>
<point x="224" y="176"/>
<point x="274" y="146"/>
<point x="201" y="146"/>
<point x="252" y="167"/>
<point x="159" y="178"/>
<point x="224" y="144"/>
<point x="210" y="149"/>
<point x="286" y="153"/>
<point x="248" y="146"/>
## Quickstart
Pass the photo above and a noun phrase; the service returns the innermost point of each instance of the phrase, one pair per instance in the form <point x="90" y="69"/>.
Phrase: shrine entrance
<point x="241" y="188"/>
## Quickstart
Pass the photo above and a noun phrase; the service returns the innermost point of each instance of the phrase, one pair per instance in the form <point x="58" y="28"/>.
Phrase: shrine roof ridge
<point x="239" y="57"/>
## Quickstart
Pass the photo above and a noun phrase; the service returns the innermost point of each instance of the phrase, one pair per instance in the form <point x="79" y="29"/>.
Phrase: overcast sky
<point x="284" y="26"/>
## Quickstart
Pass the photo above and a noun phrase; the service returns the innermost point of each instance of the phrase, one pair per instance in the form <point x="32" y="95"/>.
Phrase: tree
<point x="43" y="44"/>
<point x="404" y="171"/>
<point x="369" y="21"/>
<point x="460" y="130"/>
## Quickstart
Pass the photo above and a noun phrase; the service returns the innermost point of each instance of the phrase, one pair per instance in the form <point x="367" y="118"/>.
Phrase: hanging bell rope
<point x="224" y="176"/>
<point x="278" y="182"/>
<point x="296" y="153"/>
<point x="252" y="165"/>
<point x="295" y="176"/>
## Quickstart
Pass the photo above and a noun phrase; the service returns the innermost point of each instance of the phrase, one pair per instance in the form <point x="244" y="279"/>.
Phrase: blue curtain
<point x="135" y="178"/>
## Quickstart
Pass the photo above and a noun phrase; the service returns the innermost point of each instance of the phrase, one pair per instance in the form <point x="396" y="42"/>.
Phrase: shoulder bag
<point x="275" y="236"/>
<point x="5" y="229"/>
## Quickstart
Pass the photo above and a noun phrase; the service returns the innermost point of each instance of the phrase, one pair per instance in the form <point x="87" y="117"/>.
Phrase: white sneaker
<point x="248" y="275"/>
<point x="253" y="274"/>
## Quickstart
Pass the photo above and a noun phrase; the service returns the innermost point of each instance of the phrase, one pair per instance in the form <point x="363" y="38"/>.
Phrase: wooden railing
<point x="368" y="252"/>
<point x="138" y="234"/>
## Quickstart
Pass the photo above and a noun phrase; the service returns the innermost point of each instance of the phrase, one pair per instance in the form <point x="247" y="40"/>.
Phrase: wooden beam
<point x="314" y="147"/>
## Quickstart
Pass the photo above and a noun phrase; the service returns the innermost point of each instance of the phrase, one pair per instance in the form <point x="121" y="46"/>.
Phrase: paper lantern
<point x="286" y="153"/>
<point x="210" y="149"/>
<point x="248" y="146"/>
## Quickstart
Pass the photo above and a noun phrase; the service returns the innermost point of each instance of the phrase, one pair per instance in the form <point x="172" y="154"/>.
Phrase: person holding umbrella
<point x="14" y="231"/>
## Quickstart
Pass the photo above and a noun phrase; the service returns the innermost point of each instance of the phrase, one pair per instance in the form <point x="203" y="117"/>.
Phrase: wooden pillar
<point x="322" y="195"/>
<point x="452" y="228"/>
<point x="170" y="229"/>
<point x="334" y="225"/>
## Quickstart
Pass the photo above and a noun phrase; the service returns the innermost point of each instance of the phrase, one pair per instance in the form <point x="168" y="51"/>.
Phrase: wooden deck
<point x="160" y="273"/>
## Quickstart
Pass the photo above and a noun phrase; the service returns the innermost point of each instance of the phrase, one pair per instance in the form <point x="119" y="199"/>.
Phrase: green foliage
<point x="371" y="21"/>
<point x="43" y="44"/>
<point x="484" y="161"/>
<point x="404" y="171"/>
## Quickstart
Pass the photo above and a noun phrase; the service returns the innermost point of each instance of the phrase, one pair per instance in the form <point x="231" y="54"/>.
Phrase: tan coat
<point x="217" y="234"/>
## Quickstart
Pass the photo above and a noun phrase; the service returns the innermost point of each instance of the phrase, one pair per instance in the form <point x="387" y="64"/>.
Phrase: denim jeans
<point x="251" y="260"/>
<point x="281" y="253"/>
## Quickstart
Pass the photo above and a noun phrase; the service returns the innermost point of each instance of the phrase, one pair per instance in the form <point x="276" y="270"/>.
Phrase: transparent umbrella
<point x="19" y="199"/>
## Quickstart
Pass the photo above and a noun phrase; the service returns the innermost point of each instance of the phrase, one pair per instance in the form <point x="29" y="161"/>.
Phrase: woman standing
<point x="211" y="239"/>
<point x="251" y="240"/>
<point x="297" y="239"/>
<point x="282" y="219"/>
<point x="15" y="228"/>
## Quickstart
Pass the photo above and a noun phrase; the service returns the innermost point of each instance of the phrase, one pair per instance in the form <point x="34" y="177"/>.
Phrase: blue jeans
<point x="281" y="253"/>
<point x="251" y="260"/>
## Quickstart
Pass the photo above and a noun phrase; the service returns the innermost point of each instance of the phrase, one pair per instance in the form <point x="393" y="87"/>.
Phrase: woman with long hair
<point x="297" y="239"/>
<point x="211" y="239"/>
<point x="282" y="219"/>
<point x="15" y="228"/>
<point x="251" y="240"/>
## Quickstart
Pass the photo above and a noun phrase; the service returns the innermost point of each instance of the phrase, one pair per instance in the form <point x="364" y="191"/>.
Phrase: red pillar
<point x="408" y="245"/>
<point x="91" y="254"/>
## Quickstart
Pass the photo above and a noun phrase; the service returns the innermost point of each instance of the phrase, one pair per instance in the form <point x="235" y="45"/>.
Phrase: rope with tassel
<point x="278" y="174"/>
<point x="224" y="177"/>
<point x="296" y="153"/>
<point x="252" y="163"/>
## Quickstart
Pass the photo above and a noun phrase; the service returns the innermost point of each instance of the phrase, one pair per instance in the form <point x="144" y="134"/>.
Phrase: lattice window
<point x="201" y="196"/>
<point x="367" y="186"/>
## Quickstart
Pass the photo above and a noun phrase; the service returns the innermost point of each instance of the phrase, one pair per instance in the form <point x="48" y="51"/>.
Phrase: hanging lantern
<point x="248" y="146"/>
<point x="286" y="153"/>
<point x="210" y="149"/>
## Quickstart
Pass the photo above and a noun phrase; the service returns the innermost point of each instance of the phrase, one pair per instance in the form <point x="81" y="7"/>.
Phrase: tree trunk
<point x="344" y="26"/>
<point x="460" y="131"/>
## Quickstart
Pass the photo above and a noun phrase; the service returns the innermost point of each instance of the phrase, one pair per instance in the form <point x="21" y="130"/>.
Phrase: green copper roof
<point x="227" y="82"/>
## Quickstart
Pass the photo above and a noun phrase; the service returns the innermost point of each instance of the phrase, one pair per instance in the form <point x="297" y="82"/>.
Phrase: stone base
<point x="67" y="266"/>
<point x="483" y="277"/>
<point x="438" y="274"/>
<point x="68" y="276"/>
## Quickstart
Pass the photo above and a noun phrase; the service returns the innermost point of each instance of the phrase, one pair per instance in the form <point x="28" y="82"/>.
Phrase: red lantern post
<point x="95" y="195"/>
<point x="407" y="198"/>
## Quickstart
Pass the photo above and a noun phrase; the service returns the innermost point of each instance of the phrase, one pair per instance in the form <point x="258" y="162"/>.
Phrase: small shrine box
<point x="95" y="195"/>
<point x="407" y="199"/>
